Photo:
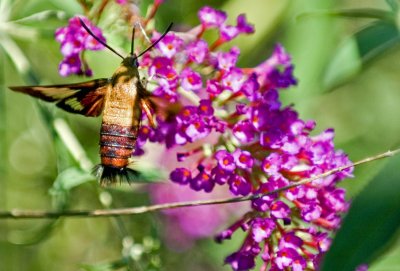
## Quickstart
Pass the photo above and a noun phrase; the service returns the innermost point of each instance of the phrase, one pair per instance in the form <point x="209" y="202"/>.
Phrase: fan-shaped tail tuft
<point x="111" y="175"/>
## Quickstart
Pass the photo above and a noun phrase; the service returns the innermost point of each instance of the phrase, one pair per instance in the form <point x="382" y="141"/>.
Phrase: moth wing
<point x="164" y="109"/>
<point x="85" y="98"/>
<point x="88" y="103"/>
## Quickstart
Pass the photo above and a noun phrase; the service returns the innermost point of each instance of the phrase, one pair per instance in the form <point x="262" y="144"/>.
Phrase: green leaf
<point x="3" y="129"/>
<point x="345" y="64"/>
<point x="149" y="175"/>
<point x="390" y="261"/>
<point x="34" y="234"/>
<point x="376" y="38"/>
<point x="70" y="178"/>
<point x="393" y="4"/>
<point x="65" y="181"/>
<point x="43" y="16"/>
<point x="371" y="13"/>
<point x="105" y="266"/>
<point x="371" y="223"/>
<point x="363" y="47"/>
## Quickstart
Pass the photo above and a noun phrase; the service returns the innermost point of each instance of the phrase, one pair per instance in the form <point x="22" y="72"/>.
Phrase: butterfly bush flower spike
<point x="74" y="40"/>
<point x="230" y="132"/>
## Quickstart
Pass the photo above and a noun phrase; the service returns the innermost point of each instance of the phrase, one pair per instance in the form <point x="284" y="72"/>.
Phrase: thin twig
<point x="18" y="214"/>
<point x="72" y="144"/>
<point x="101" y="9"/>
<point x="84" y="6"/>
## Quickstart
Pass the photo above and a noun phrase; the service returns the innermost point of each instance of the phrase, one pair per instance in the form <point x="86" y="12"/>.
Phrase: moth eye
<point x="136" y="62"/>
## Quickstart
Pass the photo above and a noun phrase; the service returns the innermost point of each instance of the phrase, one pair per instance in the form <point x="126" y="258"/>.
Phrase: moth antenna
<point x="157" y="41"/>
<point x="99" y="40"/>
<point x="133" y="39"/>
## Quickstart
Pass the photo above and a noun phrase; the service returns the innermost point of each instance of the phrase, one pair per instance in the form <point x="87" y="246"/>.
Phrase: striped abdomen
<point x="117" y="143"/>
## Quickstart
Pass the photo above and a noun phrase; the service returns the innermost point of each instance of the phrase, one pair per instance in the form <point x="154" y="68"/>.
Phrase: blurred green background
<point x="347" y="65"/>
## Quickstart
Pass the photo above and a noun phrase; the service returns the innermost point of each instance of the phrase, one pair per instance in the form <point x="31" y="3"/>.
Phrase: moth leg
<point x="145" y="80"/>
<point x="148" y="108"/>
<point x="139" y="25"/>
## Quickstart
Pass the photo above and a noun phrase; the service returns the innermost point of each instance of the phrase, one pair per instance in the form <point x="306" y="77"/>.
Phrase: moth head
<point x="131" y="61"/>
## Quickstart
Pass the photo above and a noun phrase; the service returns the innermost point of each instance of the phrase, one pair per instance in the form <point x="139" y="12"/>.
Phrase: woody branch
<point x="20" y="214"/>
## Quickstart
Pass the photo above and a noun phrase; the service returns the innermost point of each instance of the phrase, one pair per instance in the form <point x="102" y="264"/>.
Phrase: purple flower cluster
<point x="212" y="18"/>
<point x="74" y="41"/>
<point x="121" y="2"/>
<point x="232" y="133"/>
<point x="236" y="134"/>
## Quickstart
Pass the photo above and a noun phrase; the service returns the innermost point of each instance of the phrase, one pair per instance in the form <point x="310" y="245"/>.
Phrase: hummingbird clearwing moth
<point x="121" y="98"/>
